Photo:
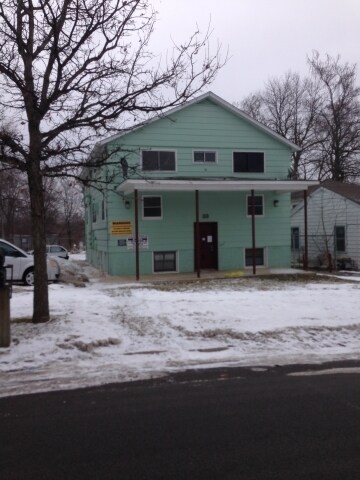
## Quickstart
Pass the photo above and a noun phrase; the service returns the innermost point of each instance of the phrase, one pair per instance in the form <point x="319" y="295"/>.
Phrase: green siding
<point x="175" y="231"/>
<point x="199" y="126"/>
<point x="205" y="126"/>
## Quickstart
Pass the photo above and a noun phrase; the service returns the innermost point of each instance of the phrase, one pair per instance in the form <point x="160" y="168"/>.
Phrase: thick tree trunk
<point x="41" y="312"/>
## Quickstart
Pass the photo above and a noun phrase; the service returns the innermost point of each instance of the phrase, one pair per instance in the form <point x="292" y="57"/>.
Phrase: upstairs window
<point x="340" y="239"/>
<point x="204" y="156"/>
<point x="158" y="160"/>
<point x="248" y="162"/>
<point x="258" y="204"/>
<point x="152" y="207"/>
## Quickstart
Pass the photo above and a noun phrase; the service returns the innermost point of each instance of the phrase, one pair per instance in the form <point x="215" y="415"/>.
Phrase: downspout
<point x="253" y="231"/>
<point x="197" y="234"/>
<point x="137" y="236"/>
<point x="107" y="223"/>
<point x="305" y="232"/>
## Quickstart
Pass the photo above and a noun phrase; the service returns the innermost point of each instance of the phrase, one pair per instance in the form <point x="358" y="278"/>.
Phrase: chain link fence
<point x="325" y="252"/>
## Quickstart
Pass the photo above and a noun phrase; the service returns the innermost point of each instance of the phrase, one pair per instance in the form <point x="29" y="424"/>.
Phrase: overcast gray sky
<point x="265" y="38"/>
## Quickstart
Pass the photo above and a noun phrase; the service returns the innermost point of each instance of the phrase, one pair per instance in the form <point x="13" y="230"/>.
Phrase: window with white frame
<point x="152" y="207"/>
<point x="258" y="205"/>
<point x="248" y="162"/>
<point x="204" y="156"/>
<point x="165" y="261"/>
<point x="259" y="257"/>
<point x="340" y="243"/>
<point x="158" y="160"/>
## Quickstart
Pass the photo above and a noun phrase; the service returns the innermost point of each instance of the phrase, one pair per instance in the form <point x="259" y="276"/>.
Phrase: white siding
<point x="327" y="209"/>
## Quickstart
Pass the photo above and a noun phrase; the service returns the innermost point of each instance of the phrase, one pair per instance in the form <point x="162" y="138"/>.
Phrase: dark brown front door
<point x="208" y="245"/>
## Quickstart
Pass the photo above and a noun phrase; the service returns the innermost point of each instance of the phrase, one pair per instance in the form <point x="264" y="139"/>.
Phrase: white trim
<point x="128" y="186"/>
<point x="263" y="205"/>
<point x="142" y="210"/>
<point x="265" y="264"/>
<point x="204" y="150"/>
<point x="167" y="271"/>
<point x="156" y="149"/>
<point x="218" y="101"/>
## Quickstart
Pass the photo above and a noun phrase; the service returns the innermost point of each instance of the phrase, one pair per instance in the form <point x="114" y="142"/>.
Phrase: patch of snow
<point x="102" y="332"/>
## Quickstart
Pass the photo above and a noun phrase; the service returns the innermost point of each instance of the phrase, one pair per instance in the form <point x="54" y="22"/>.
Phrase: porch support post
<point x="137" y="258"/>
<point x="197" y="234"/>
<point x="253" y="231"/>
<point x="305" y="232"/>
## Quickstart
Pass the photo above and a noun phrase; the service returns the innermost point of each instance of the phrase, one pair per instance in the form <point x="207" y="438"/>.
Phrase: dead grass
<point x="263" y="282"/>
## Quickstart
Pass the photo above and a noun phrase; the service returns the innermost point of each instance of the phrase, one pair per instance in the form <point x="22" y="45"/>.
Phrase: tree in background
<point x="319" y="113"/>
<point x="64" y="210"/>
<point x="289" y="106"/>
<point x="337" y="153"/>
<point x="13" y="201"/>
<point x="73" y="70"/>
<point x="71" y="206"/>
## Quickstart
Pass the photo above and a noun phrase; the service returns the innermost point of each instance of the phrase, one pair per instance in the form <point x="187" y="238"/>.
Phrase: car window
<point x="56" y="249"/>
<point x="10" y="251"/>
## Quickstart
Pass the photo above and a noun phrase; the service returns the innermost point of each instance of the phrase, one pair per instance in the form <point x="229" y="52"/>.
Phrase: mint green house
<point x="201" y="187"/>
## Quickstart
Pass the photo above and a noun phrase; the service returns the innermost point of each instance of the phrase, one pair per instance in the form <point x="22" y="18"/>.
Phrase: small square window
<point x="258" y="204"/>
<point x="259" y="257"/>
<point x="165" y="261"/>
<point x="152" y="207"/>
<point x="204" y="156"/>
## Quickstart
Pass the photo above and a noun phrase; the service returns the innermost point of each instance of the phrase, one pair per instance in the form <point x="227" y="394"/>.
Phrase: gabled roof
<point x="351" y="191"/>
<point x="218" y="101"/>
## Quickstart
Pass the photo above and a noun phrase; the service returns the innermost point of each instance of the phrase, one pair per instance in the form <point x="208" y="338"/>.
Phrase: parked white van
<point x="23" y="264"/>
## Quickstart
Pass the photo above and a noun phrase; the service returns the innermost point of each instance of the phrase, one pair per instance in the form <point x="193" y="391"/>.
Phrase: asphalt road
<point x="215" y="424"/>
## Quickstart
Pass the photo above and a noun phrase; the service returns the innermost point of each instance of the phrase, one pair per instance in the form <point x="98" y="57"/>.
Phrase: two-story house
<point x="203" y="186"/>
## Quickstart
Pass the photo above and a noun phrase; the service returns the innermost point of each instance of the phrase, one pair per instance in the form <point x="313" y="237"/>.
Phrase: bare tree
<point x="71" y="204"/>
<point x="13" y="201"/>
<point x="72" y="70"/>
<point x="338" y="122"/>
<point x="288" y="105"/>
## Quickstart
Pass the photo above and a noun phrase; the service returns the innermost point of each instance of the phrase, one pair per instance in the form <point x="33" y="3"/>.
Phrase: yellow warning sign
<point x="121" y="228"/>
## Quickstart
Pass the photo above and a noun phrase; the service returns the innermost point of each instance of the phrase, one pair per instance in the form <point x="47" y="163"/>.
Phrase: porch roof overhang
<point x="216" y="185"/>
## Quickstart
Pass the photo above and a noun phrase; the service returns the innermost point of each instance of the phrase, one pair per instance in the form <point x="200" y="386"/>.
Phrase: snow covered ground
<point x="110" y="331"/>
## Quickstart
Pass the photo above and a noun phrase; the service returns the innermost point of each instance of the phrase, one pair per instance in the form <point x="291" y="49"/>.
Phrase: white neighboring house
<point x="333" y="219"/>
